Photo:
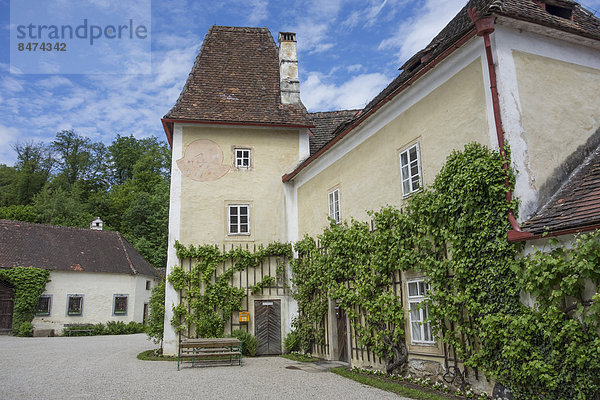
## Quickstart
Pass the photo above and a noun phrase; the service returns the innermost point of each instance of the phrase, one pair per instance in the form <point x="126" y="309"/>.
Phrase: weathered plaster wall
<point x="97" y="290"/>
<point x="560" y="110"/>
<point x="368" y="176"/>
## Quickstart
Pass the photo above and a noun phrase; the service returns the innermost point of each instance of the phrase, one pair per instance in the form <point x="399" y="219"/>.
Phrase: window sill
<point x="426" y="344"/>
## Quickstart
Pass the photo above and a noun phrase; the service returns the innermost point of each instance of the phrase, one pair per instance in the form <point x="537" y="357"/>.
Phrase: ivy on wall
<point x="209" y="299"/>
<point x="454" y="232"/>
<point x="28" y="283"/>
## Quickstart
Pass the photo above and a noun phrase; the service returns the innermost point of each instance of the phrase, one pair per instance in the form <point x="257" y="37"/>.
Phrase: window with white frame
<point x="334" y="205"/>
<point x="120" y="304"/>
<point x="420" y="327"/>
<point x="44" y="305"/>
<point x="410" y="169"/>
<point x="242" y="158"/>
<point x="239" y="219"/>
<point x="74" y="304"/>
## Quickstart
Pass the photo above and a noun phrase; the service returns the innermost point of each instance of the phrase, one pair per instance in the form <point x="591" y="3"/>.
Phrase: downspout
<point x="484" y="26"/>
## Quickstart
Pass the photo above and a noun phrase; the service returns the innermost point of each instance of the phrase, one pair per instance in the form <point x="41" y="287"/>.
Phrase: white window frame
<point x="69" y="296"/>
<point x="45" y="313"/>
<point x="419" y="329"/>
<point x="237" y="223"/>
<point x="410" y="182"/>
<point x="334" y="205"/>
<point x="242" y="158"/>
<point x="120" y="313"/>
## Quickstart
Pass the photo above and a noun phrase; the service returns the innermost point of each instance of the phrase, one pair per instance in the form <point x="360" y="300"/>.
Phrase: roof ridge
<point x="239" y="28"/>
<point x="53" y="226"/>
<point x="127" y="254"/>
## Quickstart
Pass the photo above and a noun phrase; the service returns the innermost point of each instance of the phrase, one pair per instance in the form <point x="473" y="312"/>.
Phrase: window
<point x="334" y="205"/>
<point x="120" y="304"/>
<point x="410" y="168"/>
<point x="239" y="219"/>
<point x="242" y="158"/>
<point x="148" y="285"/>
<point x="74" y="304"/>
<point x="420" y="328"/>
<point x="44" y="305"/>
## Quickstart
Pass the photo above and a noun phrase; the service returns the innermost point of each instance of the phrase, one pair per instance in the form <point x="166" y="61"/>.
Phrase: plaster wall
<point x="368" y="176"/>
<point x="97" y="290"/>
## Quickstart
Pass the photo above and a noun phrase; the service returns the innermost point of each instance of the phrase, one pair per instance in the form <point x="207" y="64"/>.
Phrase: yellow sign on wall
<point x="244" y="316"/>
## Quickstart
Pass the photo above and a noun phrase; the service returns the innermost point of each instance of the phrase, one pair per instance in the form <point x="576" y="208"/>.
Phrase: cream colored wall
<point x="560" y="110"/>
<point x="451" y="116"/>
<point x="97" y="290"/>
<point x="203" y="204"/>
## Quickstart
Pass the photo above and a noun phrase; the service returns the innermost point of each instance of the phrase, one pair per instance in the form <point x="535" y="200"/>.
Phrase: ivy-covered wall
<point x="454" y="232"/>
<point x="28" y="283"/>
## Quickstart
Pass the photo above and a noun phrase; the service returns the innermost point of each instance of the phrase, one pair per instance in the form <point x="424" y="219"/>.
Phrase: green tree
<point x="33" y="166"/>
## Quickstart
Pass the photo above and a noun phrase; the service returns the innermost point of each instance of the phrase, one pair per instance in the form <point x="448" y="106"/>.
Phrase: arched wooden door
<point x="6" y="308"/>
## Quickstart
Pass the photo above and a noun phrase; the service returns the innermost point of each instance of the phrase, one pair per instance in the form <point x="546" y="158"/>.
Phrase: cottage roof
<point x="235" y="79"/>
<point x="326" y="123"/>
<point x="61" y="248"/>
<point x="575" y="207"/>
<point x="456" y="32"/>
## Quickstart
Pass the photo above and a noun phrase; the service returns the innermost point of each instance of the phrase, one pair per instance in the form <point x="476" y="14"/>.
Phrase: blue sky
<point x="348" y="51"/>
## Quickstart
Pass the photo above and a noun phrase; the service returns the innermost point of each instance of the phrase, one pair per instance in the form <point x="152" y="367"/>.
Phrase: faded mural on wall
<point x="203" y="161"/>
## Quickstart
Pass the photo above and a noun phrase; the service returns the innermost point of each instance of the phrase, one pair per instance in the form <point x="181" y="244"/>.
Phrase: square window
<point x="74" y="304"/>
<point x="334" y="205"/>
<point x="120" y="304"/>
<point x="242" y="158"/>
<point x="44" y="305"/>
<point x="418" y="312"/>
<point x="410" y="170"/>
<point x="238" y="219"/>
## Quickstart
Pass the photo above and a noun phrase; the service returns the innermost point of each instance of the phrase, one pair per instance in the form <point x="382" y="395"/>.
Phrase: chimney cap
<point x="287" y="37"/>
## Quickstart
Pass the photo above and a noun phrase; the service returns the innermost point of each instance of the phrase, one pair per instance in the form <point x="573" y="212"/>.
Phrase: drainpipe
<point x="484" y="26"/>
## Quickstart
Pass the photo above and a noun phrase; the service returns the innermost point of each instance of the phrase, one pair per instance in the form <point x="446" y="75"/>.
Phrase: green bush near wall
<point x="28" y="283"/>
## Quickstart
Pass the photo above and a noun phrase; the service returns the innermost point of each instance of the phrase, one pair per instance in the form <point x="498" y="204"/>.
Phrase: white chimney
<point x="288" y="69"/>
<point x="96" y="224"/>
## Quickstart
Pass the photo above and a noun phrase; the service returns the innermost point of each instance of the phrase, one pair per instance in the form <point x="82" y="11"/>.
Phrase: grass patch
<point x="299" y="357"/>
<point x="388" y="386"/>
<point x="150" y="355"/>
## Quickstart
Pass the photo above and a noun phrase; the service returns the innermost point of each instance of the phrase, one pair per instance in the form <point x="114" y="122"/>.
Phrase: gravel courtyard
<point x="106" y="367"/>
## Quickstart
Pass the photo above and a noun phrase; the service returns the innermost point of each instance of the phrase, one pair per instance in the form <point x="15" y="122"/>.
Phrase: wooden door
<point x="342" y="333"/>
<point x="267" y="326"/>
<point x="6" y="308"/>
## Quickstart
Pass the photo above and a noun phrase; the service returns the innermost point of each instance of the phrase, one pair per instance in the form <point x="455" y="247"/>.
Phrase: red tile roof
<point x="61" y="248"/>
<point x="235" y="79"/>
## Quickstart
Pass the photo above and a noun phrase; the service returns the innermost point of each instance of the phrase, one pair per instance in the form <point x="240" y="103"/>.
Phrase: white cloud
<point x="54" y="82"/>
<point x="259" y="11"/>
<point x="8" y="136"/>
<point x="320" y="95"/>
<point x="312" y="36"/>
<point x="415" y="33"/>
<point x="11" y="85"/>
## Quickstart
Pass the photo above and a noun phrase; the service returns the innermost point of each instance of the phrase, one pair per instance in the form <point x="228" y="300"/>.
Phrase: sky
<point x="348" y="51"/>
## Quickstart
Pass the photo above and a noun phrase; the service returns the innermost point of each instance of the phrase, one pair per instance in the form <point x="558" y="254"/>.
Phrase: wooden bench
<point x="210" y="351"/>
<point x="78" y="328"/>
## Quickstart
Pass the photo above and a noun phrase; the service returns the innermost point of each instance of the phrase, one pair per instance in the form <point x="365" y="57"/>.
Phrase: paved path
<point x="105" y="367"/>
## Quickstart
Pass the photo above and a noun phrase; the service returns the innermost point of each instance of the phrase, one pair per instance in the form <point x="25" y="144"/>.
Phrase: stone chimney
<point x="288" y="69"/>
<point x="96" y="224"/>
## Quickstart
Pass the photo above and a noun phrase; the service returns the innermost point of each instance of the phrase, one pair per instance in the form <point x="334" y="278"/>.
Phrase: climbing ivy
<point x="208" y="297"/>
<point x="454" y="232"/>
<point x="28" y="283"/>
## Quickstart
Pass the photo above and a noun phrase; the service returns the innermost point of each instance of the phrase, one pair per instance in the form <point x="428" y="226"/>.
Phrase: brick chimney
<point x="288" y="69"/>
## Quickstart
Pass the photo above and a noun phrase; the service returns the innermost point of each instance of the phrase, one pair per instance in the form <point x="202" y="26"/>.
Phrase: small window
<point x="74" y="304"/>
<point x="562" y="12"/>
<point x="239" y="219"/>
<point x="242" y="158"/>
<point x="148" y="285"/>
<point x="410" y="168"/>
<point x="44" y="305"/>
<point x="420" y="327"/>
<point x="120" y="304"/>
<point x="334" y="205"/>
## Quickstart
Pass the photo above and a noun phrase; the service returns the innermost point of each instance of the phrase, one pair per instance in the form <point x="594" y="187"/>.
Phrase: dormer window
<point x="557" y="8"/>
<point x="242" y="158"/>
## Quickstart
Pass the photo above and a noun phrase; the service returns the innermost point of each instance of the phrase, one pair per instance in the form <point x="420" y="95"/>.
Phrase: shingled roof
<point x="61" y="248"/>
<point x="576" y="206"/>
<point x="454" y="34"/>
<point x="235" y="79"/>
<point x="325" y="124"/>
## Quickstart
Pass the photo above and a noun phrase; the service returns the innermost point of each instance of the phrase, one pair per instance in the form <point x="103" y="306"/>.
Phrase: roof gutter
<point x="484" y="26"/>
<point x="288" y="177"/>
<point x="168" y="124"/>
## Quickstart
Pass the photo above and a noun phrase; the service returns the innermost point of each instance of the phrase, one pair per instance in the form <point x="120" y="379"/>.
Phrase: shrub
<point x="249" y="342"/>
<point x="98" y="329"/>
<point x="156" y="318"/>
<point x="116" y="328"/>
<point x="25" y="329"/>
<point x="291" y="342"/>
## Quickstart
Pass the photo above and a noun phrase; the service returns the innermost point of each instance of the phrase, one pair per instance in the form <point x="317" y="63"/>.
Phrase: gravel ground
<point x="106" y="367"/>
